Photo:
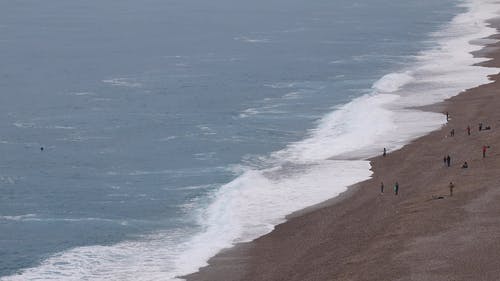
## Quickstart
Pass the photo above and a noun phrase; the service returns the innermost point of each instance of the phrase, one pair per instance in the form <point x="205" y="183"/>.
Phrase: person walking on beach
<point x="381" y="187"/>
<point x="468" y="130"/>
<point x="396" y="188"/>
<point x="447" y="116"/>
<point x="480" y="126"/>
<point x="452" y="133"/>
<point x="444" y="160"/>
<point x="448" y="160"/>
<point x="385" y="152"/>
<point x="451" y="186"/>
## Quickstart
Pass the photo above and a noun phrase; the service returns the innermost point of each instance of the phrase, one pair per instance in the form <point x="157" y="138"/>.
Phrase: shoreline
<point x="406" y="237"/>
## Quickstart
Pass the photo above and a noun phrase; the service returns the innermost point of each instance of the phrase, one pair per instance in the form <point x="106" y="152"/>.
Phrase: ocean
<point x="139" y="138"/>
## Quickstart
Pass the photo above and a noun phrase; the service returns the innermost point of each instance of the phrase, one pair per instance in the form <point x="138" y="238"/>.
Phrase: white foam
<point x="133" y="260"/>
<point x="267" y="109"/>
<point x="9" y="179"/>
<point x="122" y="82"/>
<point x="247" y="39"/>
<point x="77" y="137"/>
<point x="344" y="130"/>
<point x="255" y="202"/>
<point x="305" y="173"/>
<point x="20" y="124"/>
<point x="190" y="187"/>
<point x="281" y="85"/>
<point x="61" y="127"/>
<point x="33" y="125"/>
<point x="249" y="112"/>
<point x="82" y="94"/>
<point x="392" y="82"/>
<point x="206" y="130"/>
<point x="169" y="138"/>
<point x="204" y="156"/>
<point x="292" y="95"/>
<point x="18" y="217"/>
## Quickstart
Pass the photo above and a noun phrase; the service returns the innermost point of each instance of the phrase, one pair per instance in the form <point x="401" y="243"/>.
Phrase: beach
<point x="423" y="233"/>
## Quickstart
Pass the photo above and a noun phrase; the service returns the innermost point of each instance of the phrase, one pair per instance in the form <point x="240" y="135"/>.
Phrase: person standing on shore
<point x="381" y="187"/>
<point x="384" y="153"/>
<point x="468" y="130"/>
<point x="480" y="126"/>
<point x="452" y="133"/>
<point x="447" y="116"/>
<point x="444" y="161"/>
<point x="451" y="186"/>
<point x="448" y="160"/>
<point x="396" y="188"/>
<point x="484" y="150"/>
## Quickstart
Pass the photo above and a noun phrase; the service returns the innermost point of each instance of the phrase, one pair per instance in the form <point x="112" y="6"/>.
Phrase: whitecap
<point x="249" y="112"/>
<point x="392" y="82"/>
<point x="122" y="82"/>
<point x="169" y="138"/>
<point x="18" y="217"/>
<point x="82" y="94"/>
<point x="251" y="40"/>
<point x="20" y="124"/>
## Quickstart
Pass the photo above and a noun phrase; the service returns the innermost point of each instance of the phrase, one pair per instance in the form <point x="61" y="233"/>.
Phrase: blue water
<point x="144" y="108"/>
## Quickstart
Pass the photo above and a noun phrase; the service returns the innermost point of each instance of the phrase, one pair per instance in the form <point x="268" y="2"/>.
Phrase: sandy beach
<point x="423" y="233"/>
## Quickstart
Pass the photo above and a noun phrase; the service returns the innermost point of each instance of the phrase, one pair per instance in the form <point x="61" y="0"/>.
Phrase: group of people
<point x="465" y="165"/>
<point x="446" y="159"/>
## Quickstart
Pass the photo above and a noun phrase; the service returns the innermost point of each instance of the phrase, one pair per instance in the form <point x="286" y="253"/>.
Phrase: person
<point x="480" y="126"/>
<point x="447" y="116"/>
<point x="465" y="165"/>
<point x="452" y="133"/>
<point x="448" y="160"/>
<point x="484" y="150"/>
<point x="381" y="187"/>
<point x="468" y="130"/>
<point x="444" y="160"/>
<point x="451" y="186"/>
<point x="384" y="153"/>
<point x="396" y="188"/>
<point x="41" y="148"/>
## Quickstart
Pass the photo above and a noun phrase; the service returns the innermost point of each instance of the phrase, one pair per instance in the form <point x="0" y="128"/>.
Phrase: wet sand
<point x="366" y="235"/>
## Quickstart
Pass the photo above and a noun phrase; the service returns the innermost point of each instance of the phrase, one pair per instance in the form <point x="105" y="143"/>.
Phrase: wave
<point x="392" y="82"/>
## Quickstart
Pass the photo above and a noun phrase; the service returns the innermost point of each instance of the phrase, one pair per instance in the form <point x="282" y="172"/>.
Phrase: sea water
<point x="139" y="138"/>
